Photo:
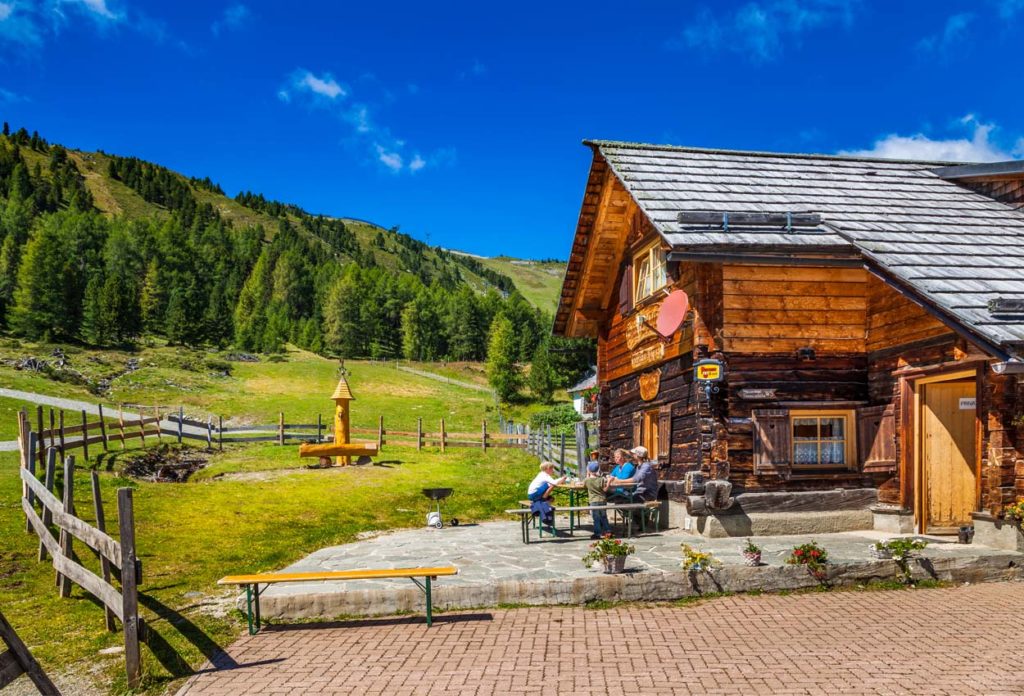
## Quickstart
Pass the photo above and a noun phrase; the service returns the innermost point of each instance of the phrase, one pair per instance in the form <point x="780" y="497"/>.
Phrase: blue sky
<point x="462" y="122"/>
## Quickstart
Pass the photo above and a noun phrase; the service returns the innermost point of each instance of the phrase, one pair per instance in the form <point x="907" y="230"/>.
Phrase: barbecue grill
<point x="434" y="516"/>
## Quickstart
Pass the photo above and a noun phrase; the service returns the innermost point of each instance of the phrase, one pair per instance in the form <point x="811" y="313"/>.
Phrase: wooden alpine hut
<point x="807" y="342"/>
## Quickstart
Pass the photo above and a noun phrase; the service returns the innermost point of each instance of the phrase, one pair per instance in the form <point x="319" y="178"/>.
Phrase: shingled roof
<point x="951" y="247"/>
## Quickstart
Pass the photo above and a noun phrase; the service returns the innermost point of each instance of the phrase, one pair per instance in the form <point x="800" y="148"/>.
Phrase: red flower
<point x="798" y="552"/>
<point x="815" y="553"/>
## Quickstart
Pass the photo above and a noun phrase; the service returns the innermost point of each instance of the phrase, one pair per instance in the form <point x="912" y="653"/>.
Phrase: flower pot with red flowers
<point x="611" y="552"/>
<point x="813" y="558"/>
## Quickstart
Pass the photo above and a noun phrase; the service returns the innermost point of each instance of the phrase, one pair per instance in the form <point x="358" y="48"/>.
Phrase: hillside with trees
<point x="105" y="250"/>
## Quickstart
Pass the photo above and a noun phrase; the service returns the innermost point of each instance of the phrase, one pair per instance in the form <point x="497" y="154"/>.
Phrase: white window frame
<point x="650" y="271"/>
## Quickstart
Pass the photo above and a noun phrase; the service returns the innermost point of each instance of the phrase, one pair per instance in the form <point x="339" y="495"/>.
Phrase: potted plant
<point x="751" y="553"/>
<point x="695" y="560"/>
<point x="812" y="557"/>
<point x="1014" y="512"/>
<point x="611" y="552"/>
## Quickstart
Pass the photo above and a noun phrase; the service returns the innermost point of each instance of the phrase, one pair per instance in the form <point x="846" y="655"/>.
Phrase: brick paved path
<point x="964" y="640"/>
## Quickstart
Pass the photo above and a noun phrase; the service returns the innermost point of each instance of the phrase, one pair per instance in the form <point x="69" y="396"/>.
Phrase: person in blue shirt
<point x="624" y="469"/>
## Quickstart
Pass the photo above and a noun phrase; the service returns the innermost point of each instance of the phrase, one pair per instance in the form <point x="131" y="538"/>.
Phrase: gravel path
<point x="442" y="378"/>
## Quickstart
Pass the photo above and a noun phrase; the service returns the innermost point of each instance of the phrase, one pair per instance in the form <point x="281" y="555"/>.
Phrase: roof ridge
<point x="764" y="153"/>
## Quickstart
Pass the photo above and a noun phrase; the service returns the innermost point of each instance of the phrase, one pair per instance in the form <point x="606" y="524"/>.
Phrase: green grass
<point x="540" y="283"/>
<point x="191" y="534"/>
<point x="9" y="418"/>
<point x="255" y="393"/>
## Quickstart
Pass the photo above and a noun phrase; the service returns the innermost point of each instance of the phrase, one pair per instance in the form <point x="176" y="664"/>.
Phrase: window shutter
<point x="626" y="289"/>
<point x="638" y="429"/>
<point x="876" y="438"/>
<point x="773" y="441"/>
<point x="665" y="434"/>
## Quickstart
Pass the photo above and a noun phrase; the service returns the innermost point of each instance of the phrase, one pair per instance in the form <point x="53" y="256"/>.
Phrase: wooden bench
<point x="252" y="584"/>
<point x="526" y="515"/>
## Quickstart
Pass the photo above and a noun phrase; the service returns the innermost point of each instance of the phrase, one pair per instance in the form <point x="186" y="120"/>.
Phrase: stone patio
<point x="496" y="568"/>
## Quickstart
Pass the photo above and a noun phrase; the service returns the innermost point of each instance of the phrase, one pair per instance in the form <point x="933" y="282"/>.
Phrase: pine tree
<point x="542" y="378"/>
<point x="153" y="302"/>
<point x="176" y="320"/>
<point x="9" y="255"/>
<point x="502" y="372"/>
<point x="7" y="128"/>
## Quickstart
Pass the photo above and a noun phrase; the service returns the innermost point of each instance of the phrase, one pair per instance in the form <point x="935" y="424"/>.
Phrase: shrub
<point x="561" y="418"/>
<point x="812" y="557"/>
<point x="222" y="367"/>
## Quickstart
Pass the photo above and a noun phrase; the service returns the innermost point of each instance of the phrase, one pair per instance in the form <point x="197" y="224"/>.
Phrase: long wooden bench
<point x="526" y="515"/>
<point x="252" y="584"/>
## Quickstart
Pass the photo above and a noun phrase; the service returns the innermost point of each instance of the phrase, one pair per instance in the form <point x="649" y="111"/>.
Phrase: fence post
<point x="483" y="435"/>
<point x="380" y="434"/>
<point x="28" y="458"/>
<point x="120" y="425"/>
<point x="209" y="432"/>
<point x="280" y="428"/>
<point x="42" y="440"/>
<point x="582" y="445"/>
<point x="103" y="428"/>
<point x="62" y="432"/>
<point x="181" y="417"/>
<point x="142" y="425"/>
<point x="129" y="586"/>
<point x="101" y="524"/>
<point x="419" y="435"/>
<point x="85" y="435"/>
<point x="53" y="429"/>
<point x="561" y="453"/>
<point x="444" y="437"/>
<point x="220" y="433"/>
<point x="159" y="434"/>
<point x="48" y="481"/>
<point x="66" y="540"/>
<point x="319" y="427"/>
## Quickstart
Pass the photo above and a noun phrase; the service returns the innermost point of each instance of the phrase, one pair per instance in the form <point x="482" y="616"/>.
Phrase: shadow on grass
<point x="165" y="653"/>
<point x="382" y="621"/>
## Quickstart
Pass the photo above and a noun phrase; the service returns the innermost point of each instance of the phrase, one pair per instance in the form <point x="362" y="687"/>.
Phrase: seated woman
<point x="624" y="469"/>
<point x="538" y="492"/>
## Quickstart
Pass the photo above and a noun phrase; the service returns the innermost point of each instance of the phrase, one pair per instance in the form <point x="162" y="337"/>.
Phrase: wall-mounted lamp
<point x="805" y="354"/>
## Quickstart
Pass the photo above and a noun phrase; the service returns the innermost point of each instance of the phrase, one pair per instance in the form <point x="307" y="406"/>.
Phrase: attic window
<point x="649" y="271"/>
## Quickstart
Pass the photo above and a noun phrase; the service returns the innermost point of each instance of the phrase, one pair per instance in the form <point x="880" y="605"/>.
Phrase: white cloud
<point x="233" y="17"/>
<point x="391" y="160"/>
<point x="98" y="8"/>
<point x="976" y="148"/>
<point x="953" y="33"/>
<point x="20" y="24"/>
<point x="6" y="9"/>
<point x="373" y="140"/>
<point x="761" y="29"/>
<point x="325" y="86"/>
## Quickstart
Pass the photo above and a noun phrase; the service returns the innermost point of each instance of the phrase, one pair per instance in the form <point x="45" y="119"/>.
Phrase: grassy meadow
<point x="253" y="509"/>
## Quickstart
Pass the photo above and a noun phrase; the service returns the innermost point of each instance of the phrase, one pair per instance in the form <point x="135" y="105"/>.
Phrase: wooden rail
<point x="57" y="526"/>
<point x="17" y="660"/>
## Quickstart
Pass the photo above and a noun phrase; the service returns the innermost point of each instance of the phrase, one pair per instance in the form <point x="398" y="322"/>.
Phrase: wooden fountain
<point x="341" y="447"/>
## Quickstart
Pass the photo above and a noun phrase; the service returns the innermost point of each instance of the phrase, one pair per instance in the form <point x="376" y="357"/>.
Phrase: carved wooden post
<point x="129" y="587"/>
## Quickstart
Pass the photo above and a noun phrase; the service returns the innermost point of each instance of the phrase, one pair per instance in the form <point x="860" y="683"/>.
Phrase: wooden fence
<point x="57" y="526"/>
<point x="78" y="430"/>
<point x="568" y="452"/>
<point x="17" y="660"/>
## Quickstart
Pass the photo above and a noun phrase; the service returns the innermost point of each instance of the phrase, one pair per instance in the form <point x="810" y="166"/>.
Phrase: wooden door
<point x="949" y="469"/>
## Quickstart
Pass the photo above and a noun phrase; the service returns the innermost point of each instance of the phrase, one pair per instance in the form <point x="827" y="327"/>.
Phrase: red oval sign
<point x="672" y="313"/>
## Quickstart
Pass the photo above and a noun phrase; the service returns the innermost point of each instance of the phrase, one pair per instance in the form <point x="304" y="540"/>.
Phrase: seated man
<point x="538" y="492"/>
<point x="645" y="478"/>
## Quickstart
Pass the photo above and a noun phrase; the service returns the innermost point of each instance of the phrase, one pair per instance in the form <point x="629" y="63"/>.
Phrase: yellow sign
<point x="709" y="371"/>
